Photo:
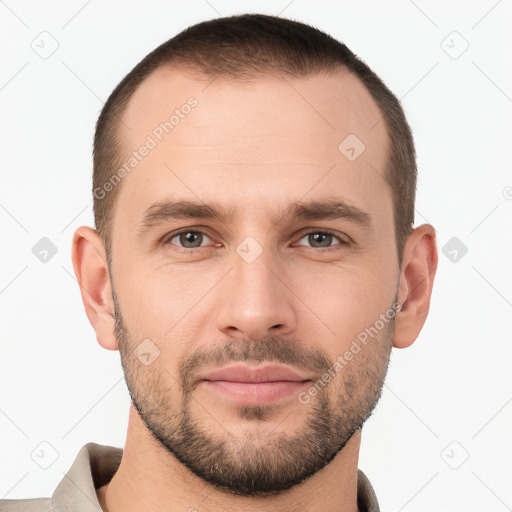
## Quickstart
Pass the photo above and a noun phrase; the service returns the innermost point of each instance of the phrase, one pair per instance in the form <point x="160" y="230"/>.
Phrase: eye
<point x="323" y="239"/>
<point x="187" y="240"/>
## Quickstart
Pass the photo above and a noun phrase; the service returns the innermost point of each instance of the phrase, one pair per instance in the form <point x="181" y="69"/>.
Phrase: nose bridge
<point x="253" y="270"/>
<point x="254" y="301"/>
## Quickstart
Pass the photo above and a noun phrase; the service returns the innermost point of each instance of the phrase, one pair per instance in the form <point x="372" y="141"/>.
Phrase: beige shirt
<point x="96" y="464"/>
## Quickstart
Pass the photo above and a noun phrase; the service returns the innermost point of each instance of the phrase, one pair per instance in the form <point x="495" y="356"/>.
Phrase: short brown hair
<point x="244" y="47"/>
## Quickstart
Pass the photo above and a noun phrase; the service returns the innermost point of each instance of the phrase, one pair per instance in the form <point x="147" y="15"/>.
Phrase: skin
<point x="253" y="147"/>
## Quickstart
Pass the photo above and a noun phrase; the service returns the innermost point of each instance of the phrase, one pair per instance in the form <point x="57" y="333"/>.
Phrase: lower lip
<point x="252" y="393"/>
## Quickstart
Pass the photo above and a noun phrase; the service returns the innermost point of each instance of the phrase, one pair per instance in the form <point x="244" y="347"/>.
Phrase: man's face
<point x="261" y="287"/>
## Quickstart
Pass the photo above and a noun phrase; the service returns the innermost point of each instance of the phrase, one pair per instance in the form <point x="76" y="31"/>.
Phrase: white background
<point x="60" y="387"/>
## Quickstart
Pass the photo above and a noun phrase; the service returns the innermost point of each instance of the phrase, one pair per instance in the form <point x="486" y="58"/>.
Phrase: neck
<point x="151" y="478"/>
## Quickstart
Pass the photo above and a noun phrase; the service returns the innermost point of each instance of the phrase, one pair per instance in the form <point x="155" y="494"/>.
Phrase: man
<point x="254" y="261"/>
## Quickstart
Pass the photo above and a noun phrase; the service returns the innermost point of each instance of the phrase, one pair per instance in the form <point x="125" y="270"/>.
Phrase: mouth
<point x="255" y="386"/>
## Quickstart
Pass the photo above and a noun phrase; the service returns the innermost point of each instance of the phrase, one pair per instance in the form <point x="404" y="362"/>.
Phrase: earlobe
<point x="419" y="265"/>
<point x="91" y="270"/>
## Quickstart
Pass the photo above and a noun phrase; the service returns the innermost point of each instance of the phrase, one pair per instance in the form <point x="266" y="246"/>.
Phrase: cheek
<point x="343" y="303"/>
<point x="151" y="299"/>
<point x="165" y="305"/>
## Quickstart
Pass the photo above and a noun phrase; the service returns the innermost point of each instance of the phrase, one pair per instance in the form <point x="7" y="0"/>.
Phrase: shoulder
<point x="27" y="505"/>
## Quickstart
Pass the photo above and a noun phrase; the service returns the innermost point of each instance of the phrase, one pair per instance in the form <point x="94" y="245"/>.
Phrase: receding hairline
<point x="189" y="70"/>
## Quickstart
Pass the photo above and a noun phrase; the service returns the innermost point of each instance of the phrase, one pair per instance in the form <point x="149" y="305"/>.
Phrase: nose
<point x="255" y="299"/>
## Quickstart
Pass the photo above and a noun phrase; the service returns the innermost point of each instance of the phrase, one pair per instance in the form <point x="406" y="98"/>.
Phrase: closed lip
<point x="242" y="373"/>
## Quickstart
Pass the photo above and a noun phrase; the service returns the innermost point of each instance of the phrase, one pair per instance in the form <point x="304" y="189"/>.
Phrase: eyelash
<point x="167" y="240"/>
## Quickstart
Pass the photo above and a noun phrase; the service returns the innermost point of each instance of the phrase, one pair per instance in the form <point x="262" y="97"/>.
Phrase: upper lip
<point x="242" y="373"/>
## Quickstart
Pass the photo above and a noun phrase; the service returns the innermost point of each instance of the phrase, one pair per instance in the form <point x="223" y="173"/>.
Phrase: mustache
<point x="270" y="349"/>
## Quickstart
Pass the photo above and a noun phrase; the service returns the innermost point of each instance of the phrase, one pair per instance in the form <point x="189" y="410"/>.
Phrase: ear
<point x="417" y="274"/>
<point x="91" y="270"/>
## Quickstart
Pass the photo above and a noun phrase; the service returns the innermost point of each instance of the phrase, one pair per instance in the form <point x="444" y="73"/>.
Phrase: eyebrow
<point x="326" y="209"/>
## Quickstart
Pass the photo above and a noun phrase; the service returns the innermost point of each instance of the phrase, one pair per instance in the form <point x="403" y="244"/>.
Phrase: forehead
<point x="335" y="102"/>
<point x="236" y="142"/>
